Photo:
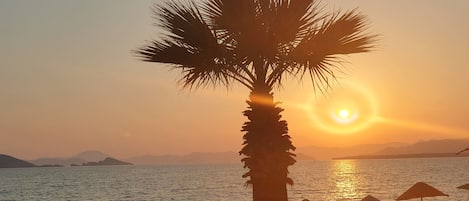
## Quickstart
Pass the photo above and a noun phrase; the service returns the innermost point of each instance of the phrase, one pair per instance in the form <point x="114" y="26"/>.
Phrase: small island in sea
<point x="106" y="161"/>
<point x="7" y="161"/>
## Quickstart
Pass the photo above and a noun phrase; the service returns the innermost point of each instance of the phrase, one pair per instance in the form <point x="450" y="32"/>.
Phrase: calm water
<point x="322" y="181"/>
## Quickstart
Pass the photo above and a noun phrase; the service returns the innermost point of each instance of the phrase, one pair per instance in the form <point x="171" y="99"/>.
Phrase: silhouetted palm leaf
<point x="218" y="41"/>
<point x="191" y="45"/>
<point x="319" y="51"/>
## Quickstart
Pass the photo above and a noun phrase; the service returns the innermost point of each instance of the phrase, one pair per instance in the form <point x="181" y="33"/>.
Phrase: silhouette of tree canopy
<point x="257" y="43"/>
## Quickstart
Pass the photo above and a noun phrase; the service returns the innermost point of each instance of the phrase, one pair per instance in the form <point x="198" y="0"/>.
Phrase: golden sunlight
<point x="345" y="175"/>
<point x="351" y="108"/>
<point x="347" y="109"/>
<point x="344" y="113"/>
<point x="344" y="116"/>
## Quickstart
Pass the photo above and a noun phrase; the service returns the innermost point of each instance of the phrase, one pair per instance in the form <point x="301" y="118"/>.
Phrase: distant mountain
<point x="228" y="157"/>
<point x="7" y="161"/>
<point x="80" y="158"/>
<point x="303" y="157"/>
<point x="422" y="149"/>
<point x="428" y="146"/>
<point x="91" y="155"/>
<point x="193" y="158"/>
<point x="106" y="161"/>
<point x="327" y="153"/>
<point x="423" y="155"/>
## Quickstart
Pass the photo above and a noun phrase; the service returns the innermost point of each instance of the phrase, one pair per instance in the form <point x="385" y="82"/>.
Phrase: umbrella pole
<point x="421" y="198"/>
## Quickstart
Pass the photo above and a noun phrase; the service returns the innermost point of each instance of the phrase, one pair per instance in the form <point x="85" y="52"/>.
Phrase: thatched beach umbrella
<point x="465" y="186"/>
<point x="420" y="190"/>
<point x="370" y="198"/>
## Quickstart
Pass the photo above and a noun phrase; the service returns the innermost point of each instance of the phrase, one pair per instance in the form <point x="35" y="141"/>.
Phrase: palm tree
<point x="257" y="43"/>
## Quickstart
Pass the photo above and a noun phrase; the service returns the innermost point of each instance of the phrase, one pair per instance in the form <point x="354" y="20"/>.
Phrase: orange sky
<point x="69" y="83"/>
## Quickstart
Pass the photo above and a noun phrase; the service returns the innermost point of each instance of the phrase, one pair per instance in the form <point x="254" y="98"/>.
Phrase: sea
<point x="384" y="179"/>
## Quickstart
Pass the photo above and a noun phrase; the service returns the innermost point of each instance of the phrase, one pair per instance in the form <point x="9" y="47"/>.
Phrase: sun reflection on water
<point x="346" y="181"/>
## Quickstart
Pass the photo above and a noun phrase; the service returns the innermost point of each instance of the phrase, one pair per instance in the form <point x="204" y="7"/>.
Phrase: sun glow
<point x="344" y="113"/>
<point x="344" y="116"/>
<point x="348" y="109"/>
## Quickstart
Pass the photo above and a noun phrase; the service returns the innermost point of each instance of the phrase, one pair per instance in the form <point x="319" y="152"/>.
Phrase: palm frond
<point x="261" y="29"/>
<point x="218" y="41"/>
<point x="319" y="52"/>
<point x="344" y="34"/>
<point x="286" y="19"/>
<point x="234" y="16"/>
<point x="192" y="46"/>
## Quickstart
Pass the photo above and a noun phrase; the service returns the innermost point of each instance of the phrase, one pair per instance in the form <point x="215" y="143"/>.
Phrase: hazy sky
<point x="69" y="82"/>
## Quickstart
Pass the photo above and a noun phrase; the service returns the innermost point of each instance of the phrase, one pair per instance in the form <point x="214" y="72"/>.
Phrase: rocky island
<point x="106" y="161"/>
<point x="7" y="161"/>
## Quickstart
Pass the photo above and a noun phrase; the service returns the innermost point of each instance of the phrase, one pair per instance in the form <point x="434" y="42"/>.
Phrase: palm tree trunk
<point x="266" y="147"/>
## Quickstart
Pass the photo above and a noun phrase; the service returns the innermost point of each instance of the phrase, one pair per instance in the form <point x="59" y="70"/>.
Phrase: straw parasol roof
<point x="420" y="190"/>
<point x="370" y="198"/>
<point x="465" y="186"/>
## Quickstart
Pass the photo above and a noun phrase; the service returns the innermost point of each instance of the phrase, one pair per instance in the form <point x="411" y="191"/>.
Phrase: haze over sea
<point x="315" y="180"/>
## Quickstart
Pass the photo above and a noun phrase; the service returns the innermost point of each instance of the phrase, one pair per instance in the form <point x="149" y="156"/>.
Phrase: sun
<point x="344" y="116"/>
<point x="344" y="113"/>
<point x="348" y="109"/>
